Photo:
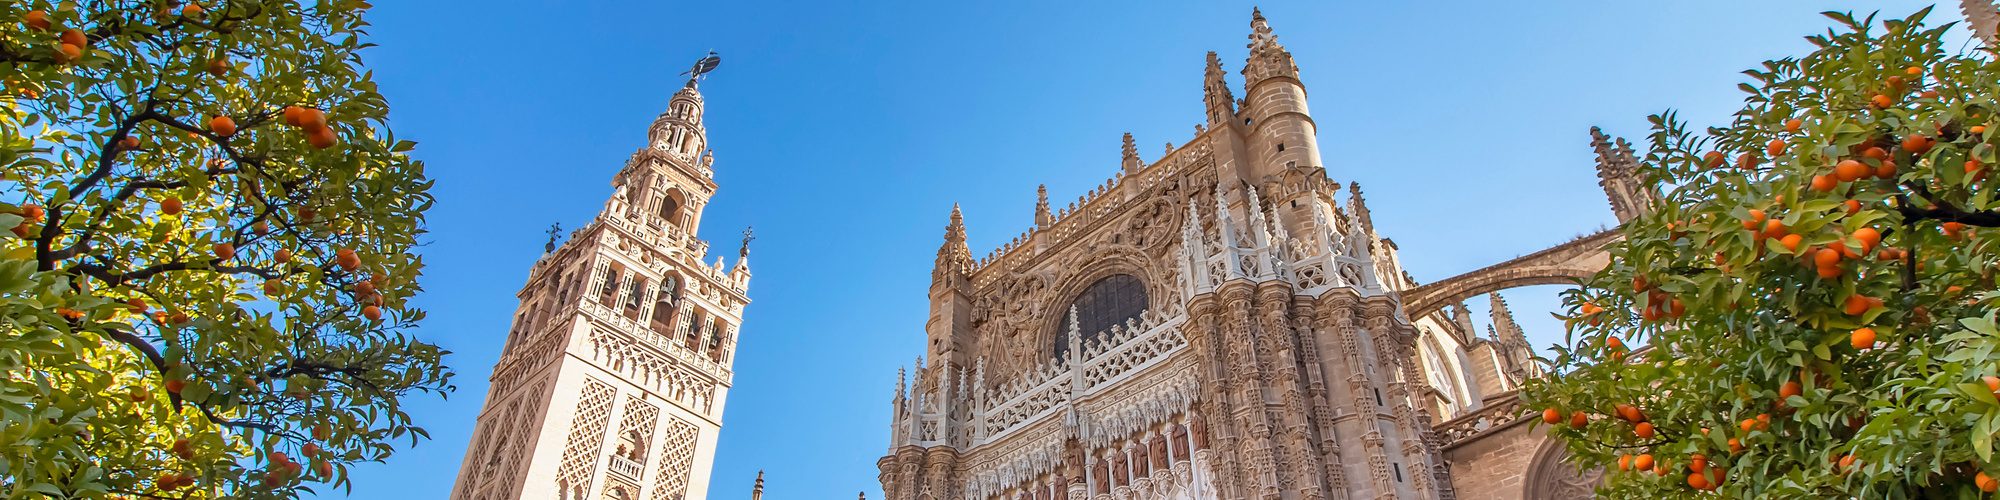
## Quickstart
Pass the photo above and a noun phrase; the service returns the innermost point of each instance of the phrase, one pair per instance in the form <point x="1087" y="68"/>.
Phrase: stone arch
<point x="1566" y="264"/>
<point x="1550" y="477"/>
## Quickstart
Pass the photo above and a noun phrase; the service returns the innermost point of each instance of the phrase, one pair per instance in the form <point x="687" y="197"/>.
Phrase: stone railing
<point x="1140" y="342"/>
<point x="624" y="467"/>
<point x="661" y="343"/>
<point x="1498" y="411"/>
<point x="1078" y="215"/>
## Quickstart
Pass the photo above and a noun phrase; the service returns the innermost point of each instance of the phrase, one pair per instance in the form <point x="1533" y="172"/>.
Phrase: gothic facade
<point x="1225" y="321"/>
<point x="612" y="379"/>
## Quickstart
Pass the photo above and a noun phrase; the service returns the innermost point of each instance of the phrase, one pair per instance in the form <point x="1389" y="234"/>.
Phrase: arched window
<point x="1110" y="301"/>
<point x="670" y="208"/>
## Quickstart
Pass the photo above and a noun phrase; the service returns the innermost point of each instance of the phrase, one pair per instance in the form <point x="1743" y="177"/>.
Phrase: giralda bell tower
<point x="613" y="378"/>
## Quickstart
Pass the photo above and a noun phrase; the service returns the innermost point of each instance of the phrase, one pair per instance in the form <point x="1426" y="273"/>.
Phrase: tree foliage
<point x="1809" y="311"/>
<point x="206" y="290"/>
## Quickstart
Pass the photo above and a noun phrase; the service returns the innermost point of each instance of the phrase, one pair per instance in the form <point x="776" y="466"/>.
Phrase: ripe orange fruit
<point x="347" y="259"/>
<point x="1972" y="165"/>
<point x="1856" y="305"/>
<point x="1644" y="430"/>
<point x="1645" y="461"/>
<point x="1886" y="170"/>
<point x="372" y="313"/>
<point x="283" y="256"/>
<point x="175" y="385"/>
<point x="1697" y="481"/>
<point x="191" y="10"/>
<point x="292" y="115"/>
<point x="222" y="126"/>
<point x="1551" y="416"/>
<point x="1849" y="170"/>
<point x="1763" y="421"/>
<point x="270" y="287"/>
<point x="1916" y="144"/>
<point x="1824" y="183"/>
<point x="1953" y="229"/>
<point x="1624" y="462"/>
<point x="312" y="118"/>
<point x="1978" y="129"/>
<point x="218" y="66"/>
<point x="1775" y="228"/>
<point x="1913" y="70"/>
<point x="1880" y="101"/>
<point x="66" y="53"/>
<point x="1712" y="159"/>
<point x="1776" y="148"/>
<point x="1736" y="445"/>
<point x="1863" y="338"/>
<point x="129" y="143"/>
<point x="1985" y="482"/>
<point x="1826" y="258"/>
<point x="1853" y="206"/>
<point x="1789" y="389"/>
<point x="170" y="206"/>
<point x="1578" y="419"/>
<point x="1614" y="344"/>
<point x="75" y="37"/>
<point x="39" y="20"/>
<point x="225" y="251"/>
<point x="1756" y="218"/>
<point x="1791" y="241"/>
<point x="321" y="138"/>
<point x="1868" y="236"/>
<point x="1875" y="153"/>
<point x="1793" y="125"/>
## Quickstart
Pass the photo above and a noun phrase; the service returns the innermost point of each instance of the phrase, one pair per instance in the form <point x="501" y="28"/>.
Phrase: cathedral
<point x="1226" y="322"/>
<point x="612" y="379"/>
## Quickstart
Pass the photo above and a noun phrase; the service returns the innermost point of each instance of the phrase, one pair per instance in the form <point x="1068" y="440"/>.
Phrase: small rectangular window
<point x="1281" y="147"/>
<point x="1399" y="471"/>
<point x="1378" y="397"/>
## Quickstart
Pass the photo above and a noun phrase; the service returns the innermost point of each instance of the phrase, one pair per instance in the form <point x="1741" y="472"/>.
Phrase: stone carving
<point x="586" y="435"/>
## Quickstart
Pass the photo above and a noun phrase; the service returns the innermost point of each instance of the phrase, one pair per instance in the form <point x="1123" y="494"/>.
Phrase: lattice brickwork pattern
<point x="676" y="460"/>
<point x="586" y="435"/>
<point x="639" y="417"/>
<point x="521" y="437"/>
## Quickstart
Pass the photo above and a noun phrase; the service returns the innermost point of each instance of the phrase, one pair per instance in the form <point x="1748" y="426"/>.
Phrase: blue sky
<point x="845" y="130"/>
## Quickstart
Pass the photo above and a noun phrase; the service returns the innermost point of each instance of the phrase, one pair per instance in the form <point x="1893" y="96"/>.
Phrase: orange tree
<point x="1810" y="309"/>
<point x="205" y="290"/>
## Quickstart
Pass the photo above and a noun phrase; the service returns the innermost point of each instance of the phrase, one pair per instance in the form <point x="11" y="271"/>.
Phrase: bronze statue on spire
<point x="702" y="67"/>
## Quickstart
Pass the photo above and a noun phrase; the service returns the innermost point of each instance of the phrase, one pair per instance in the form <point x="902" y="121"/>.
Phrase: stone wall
<point x="1493" y="465"/>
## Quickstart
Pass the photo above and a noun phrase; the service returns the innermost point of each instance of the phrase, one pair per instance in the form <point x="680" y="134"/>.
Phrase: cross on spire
<point x="748" y="235"/>
<point x="550" y="247"/>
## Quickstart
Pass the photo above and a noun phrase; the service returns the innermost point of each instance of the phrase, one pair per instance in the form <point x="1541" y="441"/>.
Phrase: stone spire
<point x="1043" y="218"/>
<point x="1618" y="173"/>
<point x="757" y="491"/>
<point x="1358" y="207"/>
<point x="1513" y="347"/>
<point x="954" y="257"/>
<point x="1131" y="161"/>
<point x="1268" y="58"/>
<point x="1983" y="19"/>
<point x="1215" y="92"/>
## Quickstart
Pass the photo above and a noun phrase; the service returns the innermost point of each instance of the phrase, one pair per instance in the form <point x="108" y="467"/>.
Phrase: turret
<point x="757" y="491"/>
<point x="1281" y="133"/>
<point x="1043" y="217"/>
<point x="1513" y="343"/>
<point x="679" y="130"/>
<point x="950" y="325"/>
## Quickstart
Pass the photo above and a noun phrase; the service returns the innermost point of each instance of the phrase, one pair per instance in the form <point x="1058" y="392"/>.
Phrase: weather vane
<point x="702" y="67"/>
<point x="747" y="236"/>
<point x="550" y="247"/>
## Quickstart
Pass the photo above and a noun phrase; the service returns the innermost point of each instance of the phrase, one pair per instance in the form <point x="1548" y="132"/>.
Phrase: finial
<point x="757" y="491"/>
<point x="955" y="231"/>
<point x="1042" y="216"/>
<point x="1129" y="149"/>
<point x="748" y="235"/>
<point x="1260" y="30"/>
<point x="550" y="247"/>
